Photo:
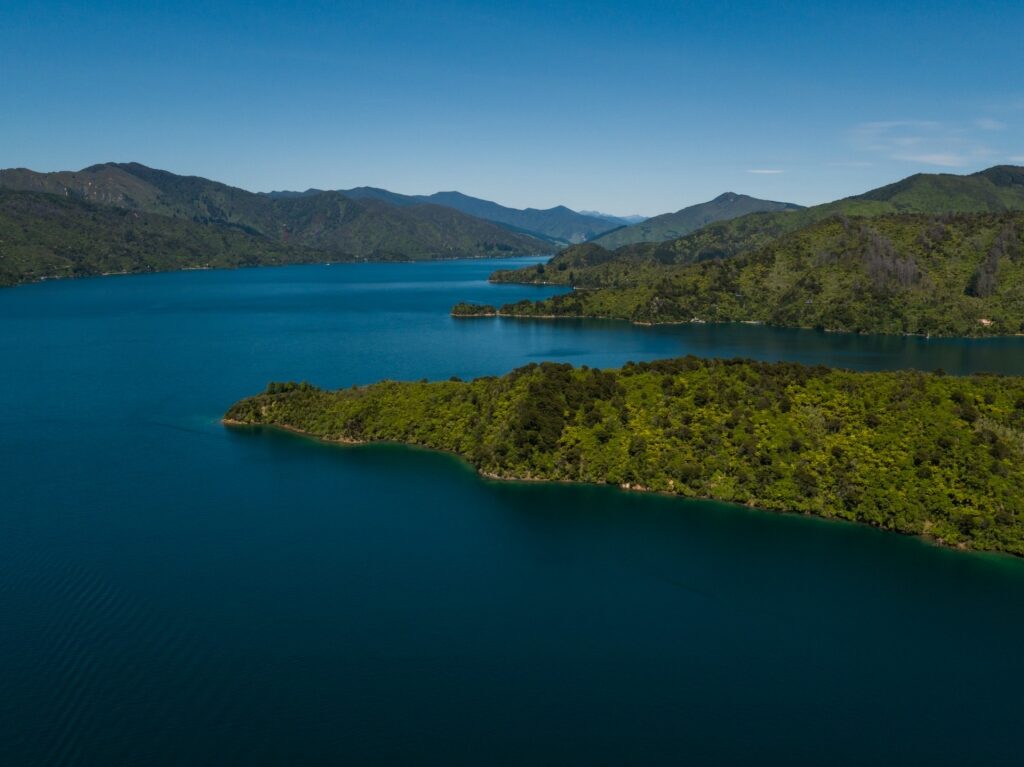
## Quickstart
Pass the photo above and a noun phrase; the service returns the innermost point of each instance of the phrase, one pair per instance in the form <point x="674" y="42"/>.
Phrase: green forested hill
<point x="333" y="223"/>
<point x="820" y="267"/>
<point x="997" y="189"/>
<point x="46" y="235"/>
<point x="327" y="226"/>
<point x="671" y="226"/>
<point x="558" y="224"/>
<point x="957" y="274"/>
<point x="907" y="451"/>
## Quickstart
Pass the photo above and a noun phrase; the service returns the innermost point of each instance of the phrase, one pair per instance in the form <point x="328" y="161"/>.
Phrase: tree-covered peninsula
<point x="951" y="275"/>
<point x="467" y="310"/>
<point x="605" y="262"/>
<point x="933" y="254"/>
<point x="919" y="453"/>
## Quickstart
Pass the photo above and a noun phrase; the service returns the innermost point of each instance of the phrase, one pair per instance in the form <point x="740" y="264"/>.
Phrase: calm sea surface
<point x="172" y="592"/>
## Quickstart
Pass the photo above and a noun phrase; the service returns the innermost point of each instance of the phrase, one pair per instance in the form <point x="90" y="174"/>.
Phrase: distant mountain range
<point x="621" y="220"/>
<point x="669" y="226"/>
<point x="126" y="218"/>
<point x="188" y="221"/>
<point x="998" y="189"/>
<point x="559" y="225"/>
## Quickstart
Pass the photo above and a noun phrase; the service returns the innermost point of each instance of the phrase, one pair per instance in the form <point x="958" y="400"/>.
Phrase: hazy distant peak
<point x="621" y="220"/>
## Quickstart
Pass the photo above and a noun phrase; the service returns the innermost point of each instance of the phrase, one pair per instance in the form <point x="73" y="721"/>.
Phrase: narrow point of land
<point x="917" y="453"/>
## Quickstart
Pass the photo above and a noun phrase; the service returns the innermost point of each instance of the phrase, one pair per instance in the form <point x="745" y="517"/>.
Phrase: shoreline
<point x="36" y="280"/>
<point x="761" y="323"/>
<point x="625" y="487"/>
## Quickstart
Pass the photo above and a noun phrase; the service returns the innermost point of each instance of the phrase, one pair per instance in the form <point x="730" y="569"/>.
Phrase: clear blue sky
<point x="618" y="106"/>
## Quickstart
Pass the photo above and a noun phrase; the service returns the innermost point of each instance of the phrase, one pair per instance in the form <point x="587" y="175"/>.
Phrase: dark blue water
<point x="172" y="592"/>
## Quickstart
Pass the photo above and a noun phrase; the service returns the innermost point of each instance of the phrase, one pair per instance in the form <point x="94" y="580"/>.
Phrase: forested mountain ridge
<point x="671" y="226"/>
<point x="46" y="235"/>
<point x="992" y="190"/>
<point x="326" y="226"/>
<point x="997" y="189"/>
<point x="559" y="224"/>
<point x="955" y="274"/>
<point x="918" y="453"/>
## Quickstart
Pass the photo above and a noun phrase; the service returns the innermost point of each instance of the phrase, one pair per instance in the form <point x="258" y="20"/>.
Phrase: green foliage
<point x="998" y="189"/>
<point x="906" y="451"/>
<point x="955" y="274"/>
<point x="45" y="235"/>
<point x="89" y="225"/>
<point x="671" y="226"/>
<point x="464" y="309"/>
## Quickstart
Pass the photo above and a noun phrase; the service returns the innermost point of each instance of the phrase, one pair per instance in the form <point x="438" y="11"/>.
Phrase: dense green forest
<point x="996" y="190"/>
<point x="464" y="309"/>
<point x="46" y="235"/>
<point x="919" y="453"/>
<point x="955" y="274"/>
<point x="189" y="221"/>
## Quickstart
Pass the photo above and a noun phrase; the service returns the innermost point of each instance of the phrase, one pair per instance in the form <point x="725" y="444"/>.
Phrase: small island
<point x="917" y="453"/>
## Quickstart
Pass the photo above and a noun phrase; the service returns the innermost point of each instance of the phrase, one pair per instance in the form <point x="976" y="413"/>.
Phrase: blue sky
<point x="616" y="106"/>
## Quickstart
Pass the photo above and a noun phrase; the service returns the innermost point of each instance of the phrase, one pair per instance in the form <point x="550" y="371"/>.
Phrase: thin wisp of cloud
<point x="987" y="123"/>
<point x="926" y="142"/>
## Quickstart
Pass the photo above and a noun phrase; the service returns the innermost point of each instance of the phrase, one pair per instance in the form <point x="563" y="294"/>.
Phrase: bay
<point x="173" y="592"/>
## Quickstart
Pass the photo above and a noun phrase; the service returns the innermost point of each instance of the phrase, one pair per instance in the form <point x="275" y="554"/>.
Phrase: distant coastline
<point x="236" y="267"/>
